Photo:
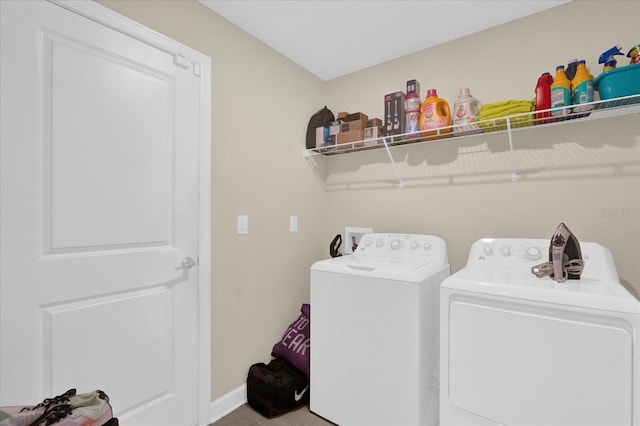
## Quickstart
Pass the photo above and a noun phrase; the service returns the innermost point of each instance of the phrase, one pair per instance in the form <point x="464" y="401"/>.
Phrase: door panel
<point x="99" y="162"/>
<point x="98" y="132"/>
<point x="146" y="317"/>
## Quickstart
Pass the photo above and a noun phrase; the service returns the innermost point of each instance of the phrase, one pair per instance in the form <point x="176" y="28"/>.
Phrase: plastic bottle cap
<point x="432" y="92"/>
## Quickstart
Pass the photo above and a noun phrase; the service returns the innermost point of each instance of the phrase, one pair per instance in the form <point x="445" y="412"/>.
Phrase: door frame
<point x="184" y="57"/>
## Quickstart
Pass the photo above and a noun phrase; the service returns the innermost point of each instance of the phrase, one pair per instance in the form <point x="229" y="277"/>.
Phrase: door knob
<point x="187" y="263"/>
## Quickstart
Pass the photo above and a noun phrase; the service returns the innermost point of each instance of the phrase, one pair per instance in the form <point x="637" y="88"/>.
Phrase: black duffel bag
<point x="276" y="388"/>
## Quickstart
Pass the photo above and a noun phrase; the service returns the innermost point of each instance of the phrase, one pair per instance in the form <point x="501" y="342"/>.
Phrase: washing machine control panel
<point x="492" y="251"/>
<point x="409" y="248"/>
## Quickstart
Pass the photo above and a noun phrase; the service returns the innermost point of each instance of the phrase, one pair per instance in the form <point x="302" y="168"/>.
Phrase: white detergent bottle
<point x="465" y="113"/>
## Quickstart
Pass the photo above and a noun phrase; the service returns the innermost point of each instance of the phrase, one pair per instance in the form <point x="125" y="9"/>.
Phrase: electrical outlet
<point x="353" y="236"/>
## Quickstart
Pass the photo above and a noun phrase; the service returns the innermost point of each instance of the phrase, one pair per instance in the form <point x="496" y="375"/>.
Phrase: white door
<point x="100" y="212"/>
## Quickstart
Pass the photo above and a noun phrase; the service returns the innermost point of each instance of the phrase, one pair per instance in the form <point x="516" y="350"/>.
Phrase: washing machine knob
<point x="414" y="245"/>
<point x="506" y="251"/>
<point x="379" y="243"/>
<point x="367" y="243"/>
<point x="488" y="250"/>
<point x="427" y="246"/>
<point x="395" y="244"/>
<point x="533" y="253"/>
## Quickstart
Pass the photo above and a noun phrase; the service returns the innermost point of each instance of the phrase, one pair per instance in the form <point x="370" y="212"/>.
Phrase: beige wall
<point x="585" y="174"/>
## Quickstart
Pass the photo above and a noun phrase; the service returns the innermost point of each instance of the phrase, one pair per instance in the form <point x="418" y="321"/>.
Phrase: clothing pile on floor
<point x="491" y="117"/>
<point x="67" y="409"/>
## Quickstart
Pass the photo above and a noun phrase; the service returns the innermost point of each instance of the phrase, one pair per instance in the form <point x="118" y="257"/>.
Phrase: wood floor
<point x="247" y="416"/>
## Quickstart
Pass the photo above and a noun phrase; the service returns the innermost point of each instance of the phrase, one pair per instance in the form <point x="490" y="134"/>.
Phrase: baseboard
<point x="228" y="402"/>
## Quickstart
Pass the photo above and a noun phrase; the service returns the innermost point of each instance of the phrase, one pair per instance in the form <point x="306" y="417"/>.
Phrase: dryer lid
<point x="586" y="292"/>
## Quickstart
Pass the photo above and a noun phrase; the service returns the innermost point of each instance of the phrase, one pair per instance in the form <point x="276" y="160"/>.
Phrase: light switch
<point x="243" y="224"/>
<point x="293" y="224"/>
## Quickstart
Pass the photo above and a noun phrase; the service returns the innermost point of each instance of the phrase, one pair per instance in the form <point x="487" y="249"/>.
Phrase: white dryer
<point x="521" y="350"/>
<point x="374" y="331"/>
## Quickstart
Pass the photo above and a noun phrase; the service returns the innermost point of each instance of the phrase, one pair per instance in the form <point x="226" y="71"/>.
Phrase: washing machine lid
<point x="400" y="257"/>
<point x="383" y="268"/>
<point x="501" y="267"/>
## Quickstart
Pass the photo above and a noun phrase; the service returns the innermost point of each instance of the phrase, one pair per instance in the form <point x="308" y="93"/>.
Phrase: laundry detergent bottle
<point x="434" y="115"/>
<point x="465" y="113"/>
<point x="560" y="93"/>
<point x="543" y="98"/>
<point x="582" y="88"/>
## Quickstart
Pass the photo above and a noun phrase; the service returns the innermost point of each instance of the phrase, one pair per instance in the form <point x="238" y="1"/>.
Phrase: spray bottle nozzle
<point x="608" y="58"/>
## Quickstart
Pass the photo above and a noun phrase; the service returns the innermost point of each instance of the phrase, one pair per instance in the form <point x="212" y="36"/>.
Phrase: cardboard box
<point x="360" y="124"/>
<point x="351" y="136"/>
<point x="341" y="116"/>
<point x="394" y="113"/>
<point x="413" y="86"/>
<point x="373" y="132"/>
<point x="322" y="135"/>
<point x="356" y="116"/>
<point x="334" y="128"/>
<point x="374" y="122"/>
<point x="372" y="135"/>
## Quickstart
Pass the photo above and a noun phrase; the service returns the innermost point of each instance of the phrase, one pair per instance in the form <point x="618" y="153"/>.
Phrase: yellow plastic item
<point x="582" y="89"/>
<point x="560" y="93"/>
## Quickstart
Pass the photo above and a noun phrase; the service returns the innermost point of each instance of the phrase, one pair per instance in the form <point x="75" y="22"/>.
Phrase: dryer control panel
<point x="508" y="251"/>
<point x="523" y="253"/>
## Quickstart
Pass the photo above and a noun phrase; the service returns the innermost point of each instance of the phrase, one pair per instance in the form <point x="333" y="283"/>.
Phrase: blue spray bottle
<point x="608" y="58"/>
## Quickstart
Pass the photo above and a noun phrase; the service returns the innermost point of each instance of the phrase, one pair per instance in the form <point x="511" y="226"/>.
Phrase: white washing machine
<point x="522" y="350"/>
<point x="374" y="332"/>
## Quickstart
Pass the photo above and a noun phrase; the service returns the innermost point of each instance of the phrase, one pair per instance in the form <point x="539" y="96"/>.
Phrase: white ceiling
<point x="332" y="38"/>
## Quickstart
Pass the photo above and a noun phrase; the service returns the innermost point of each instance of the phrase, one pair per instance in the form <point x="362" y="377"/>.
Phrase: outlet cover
<point x="353" y="236"/>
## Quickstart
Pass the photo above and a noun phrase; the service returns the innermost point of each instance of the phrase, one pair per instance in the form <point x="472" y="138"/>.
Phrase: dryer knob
<point x="414" y="245"/>
<point x="488" y="250"/>
<point x="533" y="253"/>
<point x="506" y="251"/>
<point x="395" y="244"/>
<point x="367" y="243"/>
<point x="427" y="246"/>
<point x="379" y="243"/>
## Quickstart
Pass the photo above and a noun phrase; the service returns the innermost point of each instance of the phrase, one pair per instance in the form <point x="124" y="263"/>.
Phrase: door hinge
<point x="181" y="61"/>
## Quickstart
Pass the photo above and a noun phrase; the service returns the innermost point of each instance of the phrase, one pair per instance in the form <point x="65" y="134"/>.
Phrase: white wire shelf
<point x="590" y="111"/>
<point x="508" y="124"/>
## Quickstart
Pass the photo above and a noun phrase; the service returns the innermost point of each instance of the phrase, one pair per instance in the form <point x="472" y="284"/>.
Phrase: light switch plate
<point x="293" y="224"/>
<point x="243" y="224"/>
